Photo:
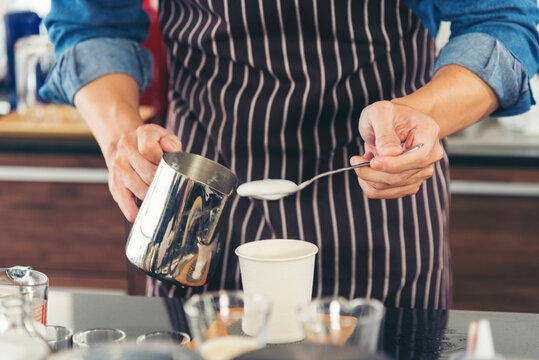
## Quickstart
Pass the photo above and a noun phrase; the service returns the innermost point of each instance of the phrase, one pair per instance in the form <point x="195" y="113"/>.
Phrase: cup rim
<point x="303" y="317"/>
<point x="168" y="158"/>
<point x="189" y="305"/>
<point x="186" y="337"/>
<point x="42" y="283"/>
<point x="86" y="331"/>
<point x="314" y="251"/>
<point x="69" y="333"/>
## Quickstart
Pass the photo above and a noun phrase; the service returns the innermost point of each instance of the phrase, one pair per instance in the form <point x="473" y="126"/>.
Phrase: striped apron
<point x="274" y="89"/>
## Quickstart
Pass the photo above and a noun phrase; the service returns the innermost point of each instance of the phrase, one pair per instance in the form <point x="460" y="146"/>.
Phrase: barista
<point x="277" y="90"/>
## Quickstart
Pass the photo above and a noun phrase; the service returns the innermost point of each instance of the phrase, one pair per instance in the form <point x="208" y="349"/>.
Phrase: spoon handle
<point x="304" y="184"/>
<point x="366" y="163"/>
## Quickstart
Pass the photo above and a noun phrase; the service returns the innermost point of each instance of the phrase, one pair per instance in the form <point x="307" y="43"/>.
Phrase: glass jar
<point x="21" y="337"/>
<point x="29" y="283"/>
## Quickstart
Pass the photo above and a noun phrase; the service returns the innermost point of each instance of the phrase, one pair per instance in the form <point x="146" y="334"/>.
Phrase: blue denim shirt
<point x="496" y="39"/>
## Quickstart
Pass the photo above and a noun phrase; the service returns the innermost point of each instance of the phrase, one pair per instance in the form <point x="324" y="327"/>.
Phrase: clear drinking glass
<point x="338" y="321"/>
<point x="59" y="337"/>
<point x="176" y="337"/>
<point x="226" y="324"/>
<point x="91" y="337"/>
<point x="34" y="56"/>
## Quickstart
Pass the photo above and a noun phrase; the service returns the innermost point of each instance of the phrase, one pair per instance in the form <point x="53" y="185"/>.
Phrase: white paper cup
<point x="282" y="270"/>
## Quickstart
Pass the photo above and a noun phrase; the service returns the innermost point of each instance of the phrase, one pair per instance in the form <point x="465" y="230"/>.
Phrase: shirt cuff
<point x="91" y="59"/>
<point x="488" y="58"/>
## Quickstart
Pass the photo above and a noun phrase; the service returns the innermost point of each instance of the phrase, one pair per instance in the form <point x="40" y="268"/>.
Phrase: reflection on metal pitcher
<point x="177" y="235"/>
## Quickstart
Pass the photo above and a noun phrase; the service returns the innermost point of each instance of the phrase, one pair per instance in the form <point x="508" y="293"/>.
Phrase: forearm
<point x="109" y="105"/>
<point x="455" y="98"/>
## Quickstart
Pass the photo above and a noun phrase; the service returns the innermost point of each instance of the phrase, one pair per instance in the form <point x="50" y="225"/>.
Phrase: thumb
<point x="381" y="116"/>
<point x="170" y="143"/>
<point x="388" y="144"/>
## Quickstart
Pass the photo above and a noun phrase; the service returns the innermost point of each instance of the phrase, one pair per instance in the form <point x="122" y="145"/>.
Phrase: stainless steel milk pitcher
<point x="180" y="229"/>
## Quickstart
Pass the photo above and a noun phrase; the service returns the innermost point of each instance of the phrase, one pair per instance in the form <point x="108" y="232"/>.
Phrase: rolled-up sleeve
<point x="93" y="38"/>
<point x="91" y="59"/>
<point x="499" y="42"/>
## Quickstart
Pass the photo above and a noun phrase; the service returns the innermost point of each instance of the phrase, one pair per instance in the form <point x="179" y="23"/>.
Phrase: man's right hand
<point x="132" y="149"/>
<point x="132" y="162"/>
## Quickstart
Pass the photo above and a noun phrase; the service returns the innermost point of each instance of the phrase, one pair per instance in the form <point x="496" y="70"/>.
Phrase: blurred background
<point x="57" y="215"/>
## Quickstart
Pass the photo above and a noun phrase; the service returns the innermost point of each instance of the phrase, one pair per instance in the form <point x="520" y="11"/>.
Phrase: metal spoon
<point x="275" y="189"/>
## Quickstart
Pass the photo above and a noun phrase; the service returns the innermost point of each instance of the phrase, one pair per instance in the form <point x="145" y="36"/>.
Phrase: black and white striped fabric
<point x="274" y="89"/>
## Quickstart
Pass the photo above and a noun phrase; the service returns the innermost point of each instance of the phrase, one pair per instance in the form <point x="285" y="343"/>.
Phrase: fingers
<point x="380" y="185"/>
<point x="418" y="159"/>
<point x="126" y="202"/>
<point x="123" y="173"/>
<point x="133" y="163"/>
<point x="390" y="193"/>
<point x="171" y="143"/>
<point x="152" y="140"/>
<point x="123" y="183"/>
<point x="397" y="176"/>
<point x="354" y="160"/>
<point x="141" y="166"/>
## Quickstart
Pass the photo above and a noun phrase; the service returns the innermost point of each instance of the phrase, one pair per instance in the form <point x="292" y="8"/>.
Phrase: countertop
<point x="58" y="130"/>
<point x="486" y="139"/>
<point x="489" y="138"/>
<point x="407" y="334"/>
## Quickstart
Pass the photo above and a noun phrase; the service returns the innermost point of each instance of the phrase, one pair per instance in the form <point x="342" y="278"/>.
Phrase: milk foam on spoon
<point x="267" y="189"/>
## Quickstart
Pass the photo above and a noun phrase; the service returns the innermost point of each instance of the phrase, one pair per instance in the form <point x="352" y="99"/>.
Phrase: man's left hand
<point x="388" y="130"/>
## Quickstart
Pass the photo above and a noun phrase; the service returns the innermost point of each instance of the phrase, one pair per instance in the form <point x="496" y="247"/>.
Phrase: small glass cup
<point x="338" y="321"/>
<point x="59" y="337"/>
<point x="87" y="338"/>
<point x="226" y="324"/>
<point x="176" y="337"/>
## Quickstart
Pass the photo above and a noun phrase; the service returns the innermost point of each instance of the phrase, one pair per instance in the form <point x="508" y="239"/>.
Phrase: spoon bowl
<point x="268" y="189"/>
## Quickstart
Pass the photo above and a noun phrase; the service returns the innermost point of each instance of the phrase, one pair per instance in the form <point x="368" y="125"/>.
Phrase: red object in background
<point x="156" y="94"/>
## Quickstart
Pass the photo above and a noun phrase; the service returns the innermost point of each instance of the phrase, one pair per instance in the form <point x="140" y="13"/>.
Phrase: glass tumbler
<point x="226" y="324"/>
<point x="59" y="337"/>
<point x="338" y="321"/>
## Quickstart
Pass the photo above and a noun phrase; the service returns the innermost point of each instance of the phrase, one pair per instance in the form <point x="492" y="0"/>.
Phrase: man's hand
<point x="452" y="100"/>
<point x="132" y="150"/>
<point x="388" y="129"/>
<point x="132" y="162"/>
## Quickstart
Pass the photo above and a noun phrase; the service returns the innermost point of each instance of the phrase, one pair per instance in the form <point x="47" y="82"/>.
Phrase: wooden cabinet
<point x="72" y="231"/>
<point x="495" y="240"/>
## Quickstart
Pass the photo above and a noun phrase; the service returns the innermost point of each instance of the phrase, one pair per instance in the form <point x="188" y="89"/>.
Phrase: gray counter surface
<point x="490" y="138"/>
